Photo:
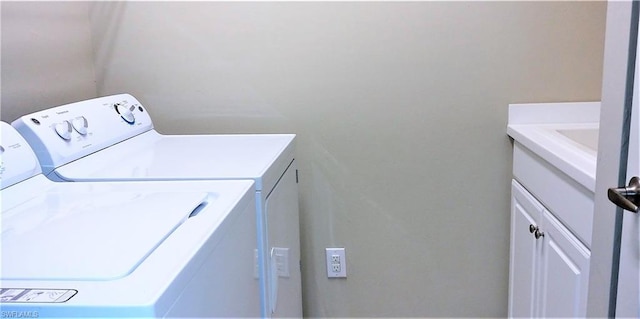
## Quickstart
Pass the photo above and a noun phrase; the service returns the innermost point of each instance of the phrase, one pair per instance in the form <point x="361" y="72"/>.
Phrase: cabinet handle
<point x="535" y="230"/>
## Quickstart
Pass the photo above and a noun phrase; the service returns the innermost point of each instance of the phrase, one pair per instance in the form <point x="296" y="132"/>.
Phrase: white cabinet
<point x="564" y="271"/>
<point x="525" y="252"/>
<point x="554" y="166"/>
<point x="549" y="266"/>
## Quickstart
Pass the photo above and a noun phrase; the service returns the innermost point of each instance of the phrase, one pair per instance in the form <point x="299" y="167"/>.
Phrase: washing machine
<point x="122" y="249"/>
<point x="112" y="138"/>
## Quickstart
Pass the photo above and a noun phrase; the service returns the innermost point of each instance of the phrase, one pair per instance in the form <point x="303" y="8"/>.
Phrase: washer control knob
<point x="64" y="130"/>
<point x="126" y="113"/>
<point x="80" y="124"/>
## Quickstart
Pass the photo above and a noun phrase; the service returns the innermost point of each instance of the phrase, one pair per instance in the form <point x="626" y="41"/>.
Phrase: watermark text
<point x="19" y="314"/>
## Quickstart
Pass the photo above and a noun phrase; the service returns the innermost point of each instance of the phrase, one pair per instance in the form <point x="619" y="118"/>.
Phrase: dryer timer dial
<point x="126" y="113"/>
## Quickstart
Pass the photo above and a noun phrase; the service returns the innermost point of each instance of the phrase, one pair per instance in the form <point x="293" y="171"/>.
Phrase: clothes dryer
<point x="112" y="138"/>
<point x="122" y="249"/>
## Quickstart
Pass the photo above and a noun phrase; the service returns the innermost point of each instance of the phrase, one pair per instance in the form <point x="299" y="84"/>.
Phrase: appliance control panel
<point x="17" y="160"/>
<point x="65" y="133"/>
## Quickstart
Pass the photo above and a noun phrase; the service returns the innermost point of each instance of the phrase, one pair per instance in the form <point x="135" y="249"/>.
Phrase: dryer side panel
<point x="283" y="228"/>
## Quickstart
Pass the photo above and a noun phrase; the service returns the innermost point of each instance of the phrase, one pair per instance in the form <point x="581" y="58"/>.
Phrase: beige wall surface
<point x="400" y="110"/>
<point x="46" y="58"/>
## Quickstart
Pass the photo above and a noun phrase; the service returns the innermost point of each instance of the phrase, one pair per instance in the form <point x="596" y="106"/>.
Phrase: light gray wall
<point x="46" y="58"/>
<point x="400" y="111"/>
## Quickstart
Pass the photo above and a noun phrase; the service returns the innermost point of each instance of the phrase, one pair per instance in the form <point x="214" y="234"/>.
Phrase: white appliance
<point x="122" y="249"/>
<point x="112" y="138"/>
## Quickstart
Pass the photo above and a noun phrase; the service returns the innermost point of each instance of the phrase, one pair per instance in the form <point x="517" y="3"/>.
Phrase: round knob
<point x="80" y="124"/>
<point x="532" y="228"/>
<point x="126" y="113"/>
<point x="538" y="234"/>
<point x="64" y="130"/>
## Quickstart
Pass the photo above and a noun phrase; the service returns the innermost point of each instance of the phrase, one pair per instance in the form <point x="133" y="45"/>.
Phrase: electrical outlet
<point x="336" y="263"/>
<point x="281" y="256"/>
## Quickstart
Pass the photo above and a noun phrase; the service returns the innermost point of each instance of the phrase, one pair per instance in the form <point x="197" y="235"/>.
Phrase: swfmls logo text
<point x="19" y="314"/>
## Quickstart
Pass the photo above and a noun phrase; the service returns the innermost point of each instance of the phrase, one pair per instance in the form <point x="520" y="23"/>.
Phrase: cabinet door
<point x="564" y="272"/>
<point x="525" y="211"/>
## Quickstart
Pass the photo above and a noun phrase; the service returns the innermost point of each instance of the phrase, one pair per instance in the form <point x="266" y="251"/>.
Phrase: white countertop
<point x="563" y="134"/>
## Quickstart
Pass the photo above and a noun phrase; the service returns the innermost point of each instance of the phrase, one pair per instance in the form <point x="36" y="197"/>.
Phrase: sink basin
<point x="585" y="137"/>
<point x="571" y="148"/>
<point x="564" y="135"/>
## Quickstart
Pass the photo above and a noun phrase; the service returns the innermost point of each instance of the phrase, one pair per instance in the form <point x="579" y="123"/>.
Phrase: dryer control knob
<point x="64" y="130"/>
<point x="126" y="113"/>
<point x="80" y="124"/>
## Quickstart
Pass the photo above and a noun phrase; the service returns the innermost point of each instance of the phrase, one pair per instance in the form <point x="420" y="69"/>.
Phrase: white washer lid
<point x="151" y="156"/>
<point x="89" y="236"/>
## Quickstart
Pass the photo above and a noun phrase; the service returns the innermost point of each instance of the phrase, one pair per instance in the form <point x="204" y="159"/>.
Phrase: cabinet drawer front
<point x="569" y="201"/>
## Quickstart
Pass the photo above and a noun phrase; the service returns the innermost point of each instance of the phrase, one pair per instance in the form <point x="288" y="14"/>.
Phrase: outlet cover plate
<point x="281" y="256"/>
<point x="336" y="263"/>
